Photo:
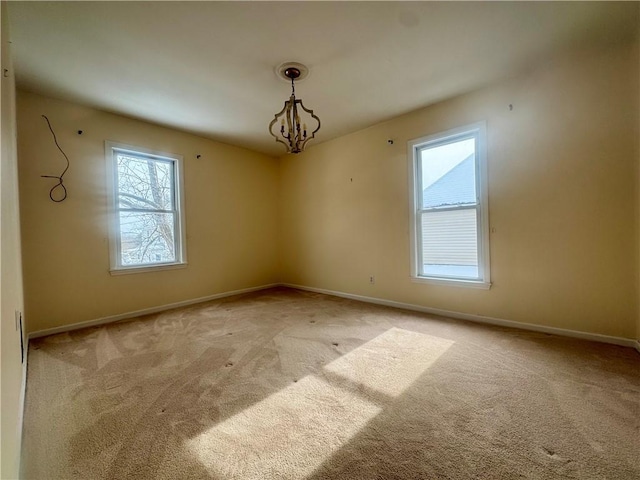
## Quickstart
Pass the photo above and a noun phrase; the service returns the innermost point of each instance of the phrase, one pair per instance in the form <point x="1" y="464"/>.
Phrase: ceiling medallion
<point x="293" y="132"/>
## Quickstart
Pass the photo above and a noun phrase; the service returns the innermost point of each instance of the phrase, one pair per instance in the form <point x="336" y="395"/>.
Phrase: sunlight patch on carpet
<point x="292" y="432"/>
<point x="391" y="362"/>
<point x="287" y="435"/>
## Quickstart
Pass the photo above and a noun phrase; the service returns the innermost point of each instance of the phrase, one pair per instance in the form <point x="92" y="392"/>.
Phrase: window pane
<point x="144" y="183"/>
<point x="146" y="238"/>
<point x="450" y="243"/>
<point x="449" y="174"/>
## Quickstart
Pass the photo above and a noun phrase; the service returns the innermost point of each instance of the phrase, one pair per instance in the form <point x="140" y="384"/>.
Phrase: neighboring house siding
<point x="449" y="238"/>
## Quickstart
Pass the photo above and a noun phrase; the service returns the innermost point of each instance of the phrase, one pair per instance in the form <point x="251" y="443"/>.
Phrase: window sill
<point x="453" y="282"/>
<point x="146" y="269"/>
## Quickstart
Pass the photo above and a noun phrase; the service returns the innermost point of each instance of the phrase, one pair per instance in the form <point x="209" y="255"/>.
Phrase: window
<point x="449" y="215"/>
<point x="147" y="221"/>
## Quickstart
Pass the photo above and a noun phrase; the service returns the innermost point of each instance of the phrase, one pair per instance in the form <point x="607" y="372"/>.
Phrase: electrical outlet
<point x="372" y="279"/>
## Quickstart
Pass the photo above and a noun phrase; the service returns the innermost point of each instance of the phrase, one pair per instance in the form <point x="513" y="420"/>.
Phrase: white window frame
<point x="116" y="266"/>
<point x="479" y="131"/>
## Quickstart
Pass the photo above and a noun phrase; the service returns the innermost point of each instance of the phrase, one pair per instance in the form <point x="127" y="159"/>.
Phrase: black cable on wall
<point x="60" y="183"/>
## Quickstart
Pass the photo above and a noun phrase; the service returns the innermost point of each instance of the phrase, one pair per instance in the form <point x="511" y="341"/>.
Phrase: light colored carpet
<point x="283" y="384"/>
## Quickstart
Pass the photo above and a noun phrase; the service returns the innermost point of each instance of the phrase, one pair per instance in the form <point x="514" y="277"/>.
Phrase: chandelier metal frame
<point x="294" y="136"/>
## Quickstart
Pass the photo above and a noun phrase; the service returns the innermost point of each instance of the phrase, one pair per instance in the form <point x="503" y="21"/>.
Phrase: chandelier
<point x="293" y="132"/>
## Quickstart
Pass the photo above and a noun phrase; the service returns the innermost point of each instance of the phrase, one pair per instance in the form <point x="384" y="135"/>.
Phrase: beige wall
<point x="562" y="180"/>
<point x="11" y="275"/>
<point x="231" y="218"/>
<point x="637" y="54"/>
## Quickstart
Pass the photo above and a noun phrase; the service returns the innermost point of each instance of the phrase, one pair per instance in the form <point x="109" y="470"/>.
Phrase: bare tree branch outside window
<point x="146" y="209"/>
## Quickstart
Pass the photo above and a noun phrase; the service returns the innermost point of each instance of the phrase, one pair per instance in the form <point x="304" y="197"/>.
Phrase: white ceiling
<point x="209" y="67"/>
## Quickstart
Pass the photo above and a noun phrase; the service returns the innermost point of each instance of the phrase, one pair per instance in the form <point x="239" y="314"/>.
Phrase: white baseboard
<point x="144" y="311"/>
<point x="626" y="342"/>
